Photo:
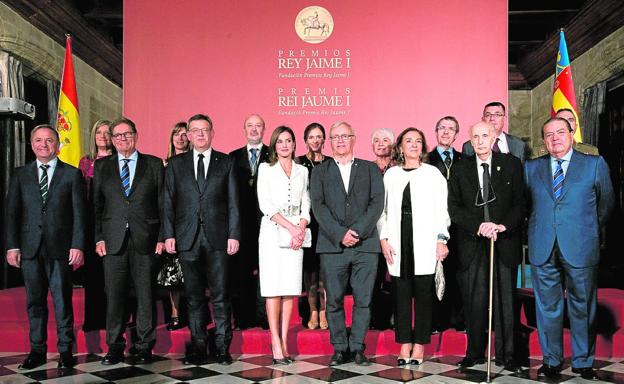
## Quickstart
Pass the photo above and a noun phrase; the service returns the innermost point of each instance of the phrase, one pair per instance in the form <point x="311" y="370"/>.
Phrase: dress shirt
<point x="564" y="165"/>
<point x="258" y="147"/>
<point x="480" y="168"/>
<point x="502" y="143"/>
<point x="52" y="163"/>
<point x="345" y="172"/>
<point x="206" y="154"/>
<point x="131" y="164"/>
<point x="441" y="152"/>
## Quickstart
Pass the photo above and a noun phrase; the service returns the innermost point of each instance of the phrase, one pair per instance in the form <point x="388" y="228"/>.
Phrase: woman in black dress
<point x="314" y="137"/>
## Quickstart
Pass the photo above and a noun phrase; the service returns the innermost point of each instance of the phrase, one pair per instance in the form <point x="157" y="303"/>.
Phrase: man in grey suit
<point x="46" y="203"/>
<point x="494" y="113"/>
<point x="347" y="199"/>
<point x="572" y="196"/>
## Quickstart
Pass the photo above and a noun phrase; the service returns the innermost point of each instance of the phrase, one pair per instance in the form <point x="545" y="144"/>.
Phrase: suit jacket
<point x="140" y="212"/>
<point x="60" y="224"/>
<point x="337" y="210"/>
<point x="436" y="160"/>
<point x="216" y="205"/>
<point x="247" y="192"/>
<point x="575" y="219"/>
<point x="517" y="147"/>
<point x="507" y="209"/>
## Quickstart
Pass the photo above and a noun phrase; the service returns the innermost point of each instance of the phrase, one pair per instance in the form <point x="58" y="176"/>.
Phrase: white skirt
<point x="280" y="269"/>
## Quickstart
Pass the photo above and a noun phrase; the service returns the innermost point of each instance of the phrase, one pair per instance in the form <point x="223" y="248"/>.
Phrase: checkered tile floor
<point x="306" y="369"/>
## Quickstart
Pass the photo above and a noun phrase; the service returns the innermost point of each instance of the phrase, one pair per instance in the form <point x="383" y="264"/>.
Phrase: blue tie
<point x="253" y="159"/>
<point x="125" y="177"/>
<point x="558" y="180"/>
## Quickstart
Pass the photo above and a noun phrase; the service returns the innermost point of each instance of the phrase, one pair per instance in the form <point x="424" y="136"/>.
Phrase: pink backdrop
<point x="411" y="62"/>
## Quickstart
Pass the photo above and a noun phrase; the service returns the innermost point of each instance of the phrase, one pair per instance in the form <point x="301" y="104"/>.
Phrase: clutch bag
<point x="439" y="280"/>
<point x="285" y="237"/>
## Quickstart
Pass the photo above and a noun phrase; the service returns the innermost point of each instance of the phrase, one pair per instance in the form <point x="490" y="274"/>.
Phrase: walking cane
<point x="490" y="308"/>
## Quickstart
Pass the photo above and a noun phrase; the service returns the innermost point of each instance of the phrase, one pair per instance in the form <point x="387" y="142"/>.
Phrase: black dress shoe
<point x="549" y="371"/>
<point x="587" y="373"/>
<point x="143" y="357"/>
<point x="33" y="360"/>
<point x="195" y="359"/>
<point x="468" y="362"/>
<point x="224" y="358"/>
<point x="512" y="366"/>
<point x="282" y="361"/>
<point x="66" y="361"/>
<point x="401" y="362"/>
<point x="113" y="358"/>
<point x="337" y="358"/>
<point x="360" y="359"/>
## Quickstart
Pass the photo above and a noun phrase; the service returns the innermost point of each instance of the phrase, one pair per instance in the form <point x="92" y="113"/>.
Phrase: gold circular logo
<point x="314" y="24"/>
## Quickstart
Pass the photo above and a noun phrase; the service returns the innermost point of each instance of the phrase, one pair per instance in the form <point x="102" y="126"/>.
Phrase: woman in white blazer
<point x="284" y="200"/>
<point x="413" y="229"/>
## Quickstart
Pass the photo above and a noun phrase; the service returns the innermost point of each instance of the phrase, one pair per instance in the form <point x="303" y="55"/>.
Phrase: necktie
<point x="447" y="158"/>
<point x="253" y="159"/>
<point x="201" y="171"/>
<point x="495" y="147"/>
<point x="558" y="180"/>
<point x="43" y="183"/>
<point x="125" y="177"/>
<point x="485" y="191"/>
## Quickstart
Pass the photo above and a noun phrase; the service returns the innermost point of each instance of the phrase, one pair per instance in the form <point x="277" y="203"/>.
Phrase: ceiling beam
<point x="596" y="20"/>
<point x="57" y="17"/>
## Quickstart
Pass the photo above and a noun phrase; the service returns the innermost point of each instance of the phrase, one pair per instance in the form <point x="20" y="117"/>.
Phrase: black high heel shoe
<point x="282" y="361"/>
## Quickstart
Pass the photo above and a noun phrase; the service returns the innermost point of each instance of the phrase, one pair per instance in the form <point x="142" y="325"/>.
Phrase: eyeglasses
<point x="497" y="115"/>
<point x="204" y="131"/>
<point x="341" y="137"/>
<point x="124" y="135"/>
<point x="479" y="199"/>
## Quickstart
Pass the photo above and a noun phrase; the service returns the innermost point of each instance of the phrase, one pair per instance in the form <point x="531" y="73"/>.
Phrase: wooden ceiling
<point x="97" y="28"/>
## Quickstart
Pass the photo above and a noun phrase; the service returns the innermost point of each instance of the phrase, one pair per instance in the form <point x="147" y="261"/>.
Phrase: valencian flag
<point x="67" y="118"/>
<point x="563" y="89"/>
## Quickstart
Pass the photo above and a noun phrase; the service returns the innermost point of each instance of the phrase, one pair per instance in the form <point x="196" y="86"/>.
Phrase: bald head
<point x="482" y="136"/>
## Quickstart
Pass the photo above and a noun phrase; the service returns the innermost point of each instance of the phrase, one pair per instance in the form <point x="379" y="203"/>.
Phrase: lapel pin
<point x="498" y="169"/>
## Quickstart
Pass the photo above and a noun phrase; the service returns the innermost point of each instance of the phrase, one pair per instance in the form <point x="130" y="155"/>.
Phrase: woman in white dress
<point x="285" y="204"/>
<point x="413" y="229"/>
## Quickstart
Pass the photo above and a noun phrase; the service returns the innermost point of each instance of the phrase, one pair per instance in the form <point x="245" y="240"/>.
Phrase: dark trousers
<point x="474" y="282"/>
<point x="381" y="308"/>
<point x="449" y="312"/>
<point x="337" y="270"/>
<point x="122" y="271"/>
<point x="40" y="274"/>
<point x="204" y="266"/>
<point x="248" y="307"/>
<point x="549" y="281"/>
<point x="419" y="290"/>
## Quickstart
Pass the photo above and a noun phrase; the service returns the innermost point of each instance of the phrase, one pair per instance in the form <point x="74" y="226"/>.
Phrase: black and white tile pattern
<point x="306" y="369"/>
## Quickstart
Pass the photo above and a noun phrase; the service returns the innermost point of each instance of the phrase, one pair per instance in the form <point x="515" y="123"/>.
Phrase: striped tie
<point x="43" y="183"/>
<point x="125" y="177"/>
<point x="558" y="180"/>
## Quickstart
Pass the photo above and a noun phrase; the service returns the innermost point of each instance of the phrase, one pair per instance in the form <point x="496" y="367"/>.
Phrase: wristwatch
<point x="442" y="239"/>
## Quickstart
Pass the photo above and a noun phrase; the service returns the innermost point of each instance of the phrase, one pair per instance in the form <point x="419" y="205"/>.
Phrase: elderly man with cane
<point x="486" y="202"/>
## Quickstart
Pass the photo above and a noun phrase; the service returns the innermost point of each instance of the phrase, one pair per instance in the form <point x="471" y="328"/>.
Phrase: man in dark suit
<point x="449" y="311"/>
<point x="46" y="203"/>
<point x="486" y="201"/>
<point x="202" y="223"/>
<point x="127" y="194"/>
<point x="347" y="199"/>
<point x="571" y="195"/>
<point x="248" y="306"/>
<point x="494" y="113"/>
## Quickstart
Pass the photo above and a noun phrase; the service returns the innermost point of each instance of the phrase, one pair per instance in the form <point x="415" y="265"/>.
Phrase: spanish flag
<point x="563" y="89"/>
<point x="68" y="118"/>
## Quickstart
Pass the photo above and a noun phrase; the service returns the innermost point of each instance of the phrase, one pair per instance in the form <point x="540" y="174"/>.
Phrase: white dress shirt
<point x="480" y="168"/>
<point x="52" y="163"/>
<point x="345" y="172"/>
<point x="206" y="160"/>
<point x="502" y="143"/>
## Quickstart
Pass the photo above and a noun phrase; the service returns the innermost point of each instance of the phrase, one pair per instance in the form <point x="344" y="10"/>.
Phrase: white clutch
<point x="284" y="237"/>
<point x="440" y="284"/>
